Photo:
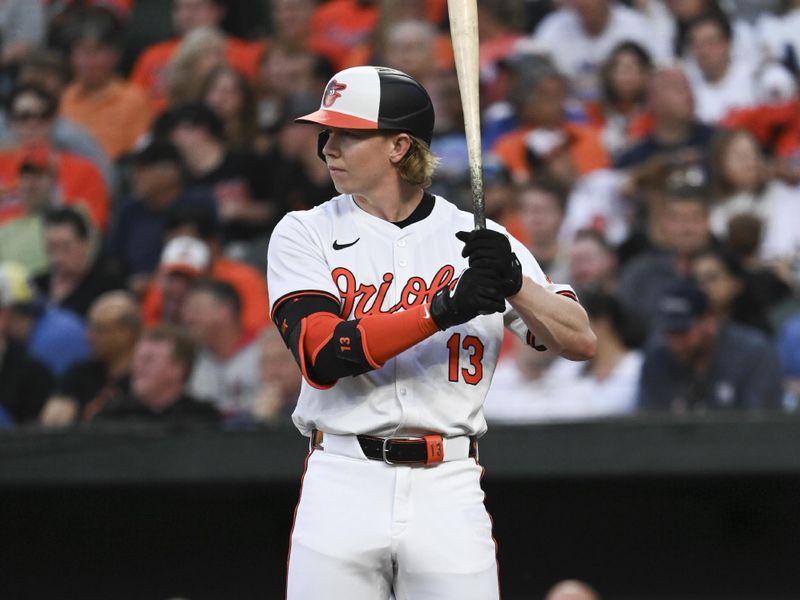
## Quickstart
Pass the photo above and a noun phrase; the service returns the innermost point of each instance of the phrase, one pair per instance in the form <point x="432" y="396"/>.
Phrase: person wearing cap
<point x="199" y="254"/>
<point x="25" y="381"/>
<point x="394" y="313"/>
<point x="22" y="234"/>
<point x="32" y="111"/>
<point x="703" y="364"/>
<point x="157" y="191"/>
<point x="52" y="335"/>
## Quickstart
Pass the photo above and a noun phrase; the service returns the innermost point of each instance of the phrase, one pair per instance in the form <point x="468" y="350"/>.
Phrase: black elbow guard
<point x="343" y="355"/>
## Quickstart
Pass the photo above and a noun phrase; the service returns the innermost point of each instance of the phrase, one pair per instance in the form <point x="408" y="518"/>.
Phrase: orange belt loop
<point x="435" y="448"/>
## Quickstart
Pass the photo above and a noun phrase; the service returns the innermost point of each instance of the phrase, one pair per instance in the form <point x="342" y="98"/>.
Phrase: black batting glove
<point x="477" y="292"/>
<point x="489" y="249"/>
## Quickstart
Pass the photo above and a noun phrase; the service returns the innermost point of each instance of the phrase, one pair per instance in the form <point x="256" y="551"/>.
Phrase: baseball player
<point x="394" y="311"/>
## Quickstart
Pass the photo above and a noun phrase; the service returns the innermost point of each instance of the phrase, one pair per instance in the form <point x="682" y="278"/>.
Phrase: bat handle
<point x="478" y="209"/>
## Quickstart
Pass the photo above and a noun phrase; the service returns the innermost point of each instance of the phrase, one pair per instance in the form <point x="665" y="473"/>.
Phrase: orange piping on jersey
<point x="303" y="369"/>
<point x="293" y="295"/>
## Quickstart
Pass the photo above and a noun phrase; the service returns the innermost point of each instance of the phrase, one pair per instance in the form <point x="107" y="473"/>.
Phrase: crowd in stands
<point x="647" y="152"/>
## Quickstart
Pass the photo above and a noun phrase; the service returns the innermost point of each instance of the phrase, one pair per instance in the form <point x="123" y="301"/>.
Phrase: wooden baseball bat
<point x="464" y="33"/>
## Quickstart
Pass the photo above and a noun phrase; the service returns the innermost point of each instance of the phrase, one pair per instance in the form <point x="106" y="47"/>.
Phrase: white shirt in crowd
<point x="778" y="206"/>
<point x="745" y="84"/>
<point x="232" y="383"/>
<point x="579" y="55"/>
<point x="563" y="392"/>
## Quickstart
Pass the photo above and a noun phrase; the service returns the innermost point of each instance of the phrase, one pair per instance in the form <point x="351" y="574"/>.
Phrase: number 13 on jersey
<point x="473" y="372"/>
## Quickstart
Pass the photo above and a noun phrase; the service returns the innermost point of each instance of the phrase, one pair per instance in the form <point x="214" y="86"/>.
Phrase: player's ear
<point x="401" y="144"/>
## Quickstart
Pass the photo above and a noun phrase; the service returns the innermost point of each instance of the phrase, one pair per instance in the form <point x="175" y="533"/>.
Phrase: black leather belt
<point x="425" y="450"/>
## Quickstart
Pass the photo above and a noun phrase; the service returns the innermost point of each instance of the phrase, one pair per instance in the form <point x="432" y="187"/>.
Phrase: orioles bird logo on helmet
<point x="332" y="92"/>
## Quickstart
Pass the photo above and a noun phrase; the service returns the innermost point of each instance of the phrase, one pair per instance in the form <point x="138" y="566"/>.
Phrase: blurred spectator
<point x="779" y="32"/>
<point x="183" y="261"/>
<point x="527" y="387"/>
<point x="789" y="353"/>
<point x="192" y="252"/>
<point x="150" y="70"/>
<point x="624" y="78"/>
<point x="338" y="27"/>
<point x="298" y="180"/>
<point x="772" y="282"/>
<point x="582" y="35"/>
<point x="162" y="362"/>
<point x="226" y="371"/>
<point x="52" y="335"/>
<point x="25" y="382"/>
<point x="777" y="129"/>
<point x="674" y="127"/>
<point x="541" y="212"/>
<point x="592" y="263"/>
<point x="745" y="43"/>
<point x="605" y="200"/>
<point x="48" y="70"/>
<point x="157" y="190"/>
<point x="721" y="82"/>
<point x="499" y="36"/>
<point x="115" y="112"/>
<point x="237" y="180"/>
<point x="742" y="185"/>
<point x="291" y="23"/>
<point x="571" y="590"/>
<point x="279" y="379"/>
<point x="77" y="275"/>
<point x="22" y="28"/>
<point x="684" y="232"/>
<point x="200" y="52"/>
<point x="731" y="295"/>
<point x="113" y="326"/>
<point x="285" y="73"/>
<point x="232" y="97"/>
<point x="32" y="111"/>
<point x="22" y="237"/>
<point x="705" y="364"/>
<point x="545" y="142"/>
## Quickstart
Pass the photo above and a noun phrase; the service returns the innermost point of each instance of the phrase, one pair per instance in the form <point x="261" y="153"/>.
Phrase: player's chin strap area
<point x="423" y="450"/>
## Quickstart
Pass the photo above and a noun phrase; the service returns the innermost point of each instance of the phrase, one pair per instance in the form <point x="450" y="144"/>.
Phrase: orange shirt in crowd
<point x="117" y="115"/>
<point x="79" y="180"/>
<point x="248" y="282"/>
<point x="586" y="150"/>
<point x="339" y="26"/>
<point x="150" y="70"/>
<point x="777" y="125"/>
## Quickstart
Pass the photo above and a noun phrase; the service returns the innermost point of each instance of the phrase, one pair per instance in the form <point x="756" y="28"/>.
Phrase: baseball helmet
<point x="375" y="98"/>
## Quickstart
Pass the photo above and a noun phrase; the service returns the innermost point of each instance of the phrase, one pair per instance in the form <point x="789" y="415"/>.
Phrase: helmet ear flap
<point x="322" y="139"/>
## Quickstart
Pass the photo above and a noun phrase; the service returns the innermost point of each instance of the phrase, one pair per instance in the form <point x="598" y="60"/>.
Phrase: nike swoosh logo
<point x="338" y="246"/>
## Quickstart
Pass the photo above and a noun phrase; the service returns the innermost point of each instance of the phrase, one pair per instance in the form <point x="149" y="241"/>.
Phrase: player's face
<point x="358" y="160"/>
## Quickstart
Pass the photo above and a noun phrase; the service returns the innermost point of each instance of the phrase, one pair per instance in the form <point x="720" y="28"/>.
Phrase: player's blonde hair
<point x="419" y="163"/>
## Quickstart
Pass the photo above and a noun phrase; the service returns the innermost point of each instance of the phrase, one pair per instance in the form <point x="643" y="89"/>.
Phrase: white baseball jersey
<point x="372" y="265"/>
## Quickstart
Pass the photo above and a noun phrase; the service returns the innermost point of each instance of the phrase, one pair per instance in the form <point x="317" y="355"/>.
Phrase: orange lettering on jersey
<point x="361" y="299"/>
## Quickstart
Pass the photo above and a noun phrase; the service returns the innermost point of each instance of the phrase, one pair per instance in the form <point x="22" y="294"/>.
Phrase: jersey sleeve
<point x="296" y="264"/>
<point x="530" y="268"/>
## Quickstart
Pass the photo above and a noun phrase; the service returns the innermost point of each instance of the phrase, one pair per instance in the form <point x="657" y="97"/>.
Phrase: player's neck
<point x="391" y="204"/>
